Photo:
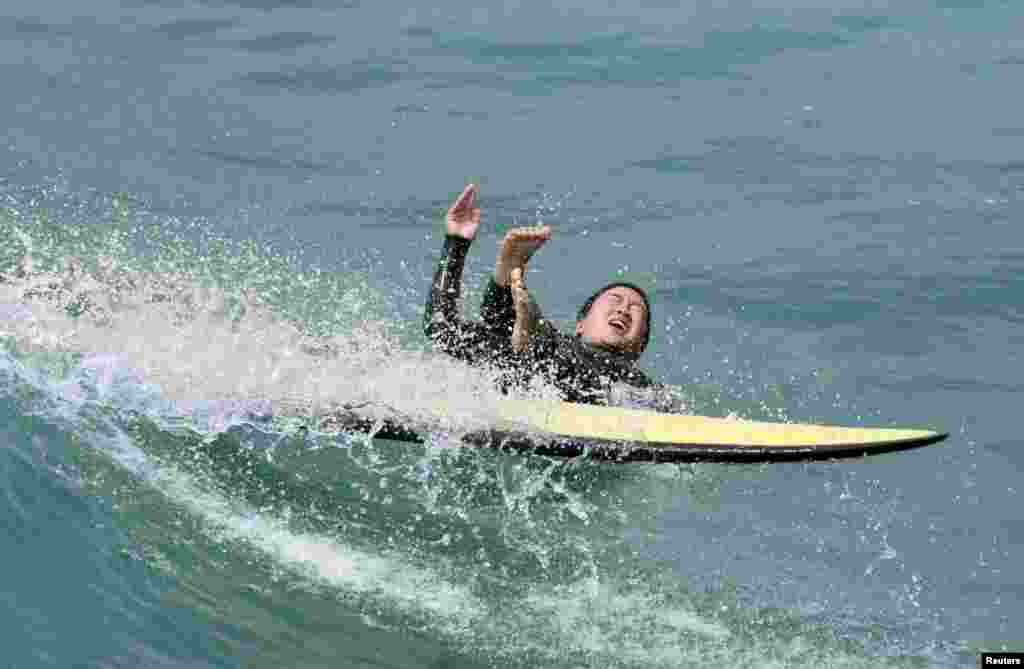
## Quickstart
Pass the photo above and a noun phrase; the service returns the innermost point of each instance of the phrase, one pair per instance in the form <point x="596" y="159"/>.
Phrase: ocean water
<point x="824" y="201"/>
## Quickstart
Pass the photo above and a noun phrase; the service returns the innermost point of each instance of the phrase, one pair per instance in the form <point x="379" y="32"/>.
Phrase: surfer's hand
<point x="516" y="248"/>
<point x="521" y="299"/>
<point x="463" y="217"/>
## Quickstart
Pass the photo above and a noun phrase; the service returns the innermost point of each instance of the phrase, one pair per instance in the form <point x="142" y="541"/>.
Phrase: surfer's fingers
<point x="521" y="302"/>
<point x="468" y="195"/>
<point x="520" y="295"/>
<point x="518" y="283"/>
<point x="530" y="233"/>
<point x="524" y="245"/>
<point x="465" y="200"/>
<point x="520" y="338"/>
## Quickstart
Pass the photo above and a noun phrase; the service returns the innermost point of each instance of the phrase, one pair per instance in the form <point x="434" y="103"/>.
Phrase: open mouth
<point x="619" y="325"/>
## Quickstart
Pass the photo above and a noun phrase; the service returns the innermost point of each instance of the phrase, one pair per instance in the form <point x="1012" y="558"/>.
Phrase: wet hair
<point x="585" y="309"/>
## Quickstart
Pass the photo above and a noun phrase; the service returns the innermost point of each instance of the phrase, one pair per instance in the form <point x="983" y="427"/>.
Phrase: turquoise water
<point x="824" y="204"/>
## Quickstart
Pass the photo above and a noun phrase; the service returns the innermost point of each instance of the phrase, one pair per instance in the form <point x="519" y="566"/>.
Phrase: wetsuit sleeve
<point x="465" y="340"/>
<point x="497" y="311"/>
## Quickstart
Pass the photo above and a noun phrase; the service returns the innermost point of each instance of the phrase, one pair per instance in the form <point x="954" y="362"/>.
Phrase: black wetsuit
<point x="580" y="372"/>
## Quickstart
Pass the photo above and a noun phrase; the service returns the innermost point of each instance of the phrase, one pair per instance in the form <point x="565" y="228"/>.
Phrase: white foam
<point x="201" y="346"/>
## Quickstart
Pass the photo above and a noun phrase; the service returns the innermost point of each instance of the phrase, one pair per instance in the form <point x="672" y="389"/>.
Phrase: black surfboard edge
<point x="609" y="450"/>
<point x="621" y="451"/>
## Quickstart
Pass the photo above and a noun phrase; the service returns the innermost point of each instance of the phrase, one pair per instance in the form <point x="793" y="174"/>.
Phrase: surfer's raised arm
<point x="471" y="341"/>
<point x="441" y="321"/>
<point x="498" y="310"/>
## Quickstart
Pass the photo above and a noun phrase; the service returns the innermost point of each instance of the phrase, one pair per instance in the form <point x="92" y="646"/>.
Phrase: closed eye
<point x="634" y="307"/>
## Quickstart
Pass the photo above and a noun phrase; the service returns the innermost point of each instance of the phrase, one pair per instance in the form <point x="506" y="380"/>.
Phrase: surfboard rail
<point x="562" y="429"/>
<point x="624" y="451"/>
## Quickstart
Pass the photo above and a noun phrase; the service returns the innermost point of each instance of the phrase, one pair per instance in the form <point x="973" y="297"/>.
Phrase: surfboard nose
<point x="677" y="431"/>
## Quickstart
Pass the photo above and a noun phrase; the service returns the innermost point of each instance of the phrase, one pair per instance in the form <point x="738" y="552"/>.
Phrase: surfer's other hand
<point x="517" y="247"/>
<point x="521" y="299"/>
<point x="463" y="217"/>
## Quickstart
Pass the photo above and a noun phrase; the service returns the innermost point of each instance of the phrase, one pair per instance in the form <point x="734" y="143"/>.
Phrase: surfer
<point x="612" y="326"/>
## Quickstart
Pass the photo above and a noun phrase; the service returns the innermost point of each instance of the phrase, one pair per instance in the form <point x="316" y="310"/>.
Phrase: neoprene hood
<point x="585" y="309"/>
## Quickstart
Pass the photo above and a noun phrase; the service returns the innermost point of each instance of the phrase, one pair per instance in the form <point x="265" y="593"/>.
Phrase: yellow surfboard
<point x="630" y="435"/>
<point x="636" y="434"/>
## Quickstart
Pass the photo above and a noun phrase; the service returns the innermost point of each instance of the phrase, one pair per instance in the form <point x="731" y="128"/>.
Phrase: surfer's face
<point x="617" y="320"/>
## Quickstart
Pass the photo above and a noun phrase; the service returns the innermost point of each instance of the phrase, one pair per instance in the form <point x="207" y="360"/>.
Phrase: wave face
<point x="171" y="501"/>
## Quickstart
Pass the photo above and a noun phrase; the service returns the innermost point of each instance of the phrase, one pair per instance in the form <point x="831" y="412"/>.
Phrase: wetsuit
<point x="580" y="372"/>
